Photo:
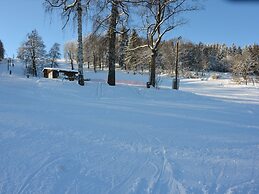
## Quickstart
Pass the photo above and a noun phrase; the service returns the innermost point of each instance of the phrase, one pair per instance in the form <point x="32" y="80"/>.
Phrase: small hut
<point x="58" y="73"/>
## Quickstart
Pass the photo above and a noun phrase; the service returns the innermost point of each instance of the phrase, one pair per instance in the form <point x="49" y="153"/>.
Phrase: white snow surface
<point x="59" y="137"/>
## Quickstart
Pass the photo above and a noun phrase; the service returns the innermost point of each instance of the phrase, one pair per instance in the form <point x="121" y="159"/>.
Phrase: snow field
<point x="59" y="137"/>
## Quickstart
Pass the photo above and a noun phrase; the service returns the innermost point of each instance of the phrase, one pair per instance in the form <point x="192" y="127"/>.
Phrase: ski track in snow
<point x="34" y="174"/>
<point x="58" y="137"/>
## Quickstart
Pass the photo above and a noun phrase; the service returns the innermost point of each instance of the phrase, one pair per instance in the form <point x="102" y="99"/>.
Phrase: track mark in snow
<point x="73" y="187"/>
<point x="163" y="180"/>
<point x="29" y="178"/>
<point x="220" y="177"/>
<point x="238" y="187"/>
<point x="99" y="90"/>
<point x="139" y="186"/>
<point x="127" y="180"/>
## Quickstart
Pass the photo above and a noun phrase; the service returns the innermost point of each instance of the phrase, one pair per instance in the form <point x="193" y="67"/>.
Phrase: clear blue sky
<point x="221" y="21"/>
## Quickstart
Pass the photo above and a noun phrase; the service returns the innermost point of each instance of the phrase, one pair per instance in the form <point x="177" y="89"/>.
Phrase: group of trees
<point x="128" y="54"/>
<point x="242" y="62"/>
<point x="110" y="16"/>
<point x="33" y="52"/>
<point x="198" y="58"/>
<point x="136" y="46"/>
<point x="2" y="50"/>
<point x="245" y="64"/>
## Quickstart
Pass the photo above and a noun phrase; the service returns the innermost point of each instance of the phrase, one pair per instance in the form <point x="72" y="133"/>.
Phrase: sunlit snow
<point x="59" y="137"/>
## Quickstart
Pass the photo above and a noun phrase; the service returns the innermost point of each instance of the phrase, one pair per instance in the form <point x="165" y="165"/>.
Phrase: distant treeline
<point x="132" y="54"/>
<point x="198" y="58"/>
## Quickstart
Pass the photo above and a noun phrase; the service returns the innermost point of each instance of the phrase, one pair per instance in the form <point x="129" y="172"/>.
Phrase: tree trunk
<point x="152" y="78"/>
<point x="71" y="60"/>
<point x="94" y="62"/>
<point x="100" y="62"/>
<point x="72" y="64"/>
<point x="34" y="70"/>
<point x="52" y="62"/>
<point x="112" y="39"/>
<point x="80" y="45"/>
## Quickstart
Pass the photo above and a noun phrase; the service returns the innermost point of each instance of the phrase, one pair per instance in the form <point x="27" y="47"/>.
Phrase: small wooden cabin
<point x="58" y="73"/>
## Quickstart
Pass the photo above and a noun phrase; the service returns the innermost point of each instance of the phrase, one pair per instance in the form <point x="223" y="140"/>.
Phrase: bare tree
<point x="103" y="52"/>
<point x="91" y="47"/>
<point x="70" y="52"/>
<point x="75" y="7"/>
<point x="168" y="56"/>
<point x="54" y="54"/>
<point x="242" y="66"/>
<point x="111" y="15"/>
<point x="161" y="17"/>
<point x="33" y="51"/>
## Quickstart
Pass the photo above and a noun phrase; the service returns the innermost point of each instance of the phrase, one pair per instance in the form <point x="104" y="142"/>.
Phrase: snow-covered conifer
<point x="123" y="42"/>
<point x="132" y="60"/>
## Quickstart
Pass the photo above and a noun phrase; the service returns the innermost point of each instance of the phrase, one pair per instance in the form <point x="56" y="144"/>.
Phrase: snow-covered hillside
<point x="58" y="137"/>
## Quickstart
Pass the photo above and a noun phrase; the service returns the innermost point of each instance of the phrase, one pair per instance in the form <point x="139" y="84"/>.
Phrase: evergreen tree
<point x="254" y="53"/>
<point x="131" y="59"/>
<point x="191" y="57"/>
<point x="234" y="50"/>
<point x="220" y="63"/>
<point x="123" y="42"/>
<point x="239" y="50"/>
<point x="242" y="66"/>
<point x="2" y="51"/>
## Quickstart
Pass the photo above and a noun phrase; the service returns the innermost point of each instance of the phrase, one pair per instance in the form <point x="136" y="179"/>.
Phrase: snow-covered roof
<point x="60" y="70"/>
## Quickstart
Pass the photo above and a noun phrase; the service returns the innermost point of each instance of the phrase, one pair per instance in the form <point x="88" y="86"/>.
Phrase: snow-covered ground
<point x="58" y="137"/>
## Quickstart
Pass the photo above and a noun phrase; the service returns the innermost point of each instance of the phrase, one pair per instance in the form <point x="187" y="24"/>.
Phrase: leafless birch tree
<point x="70" y="7"/>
